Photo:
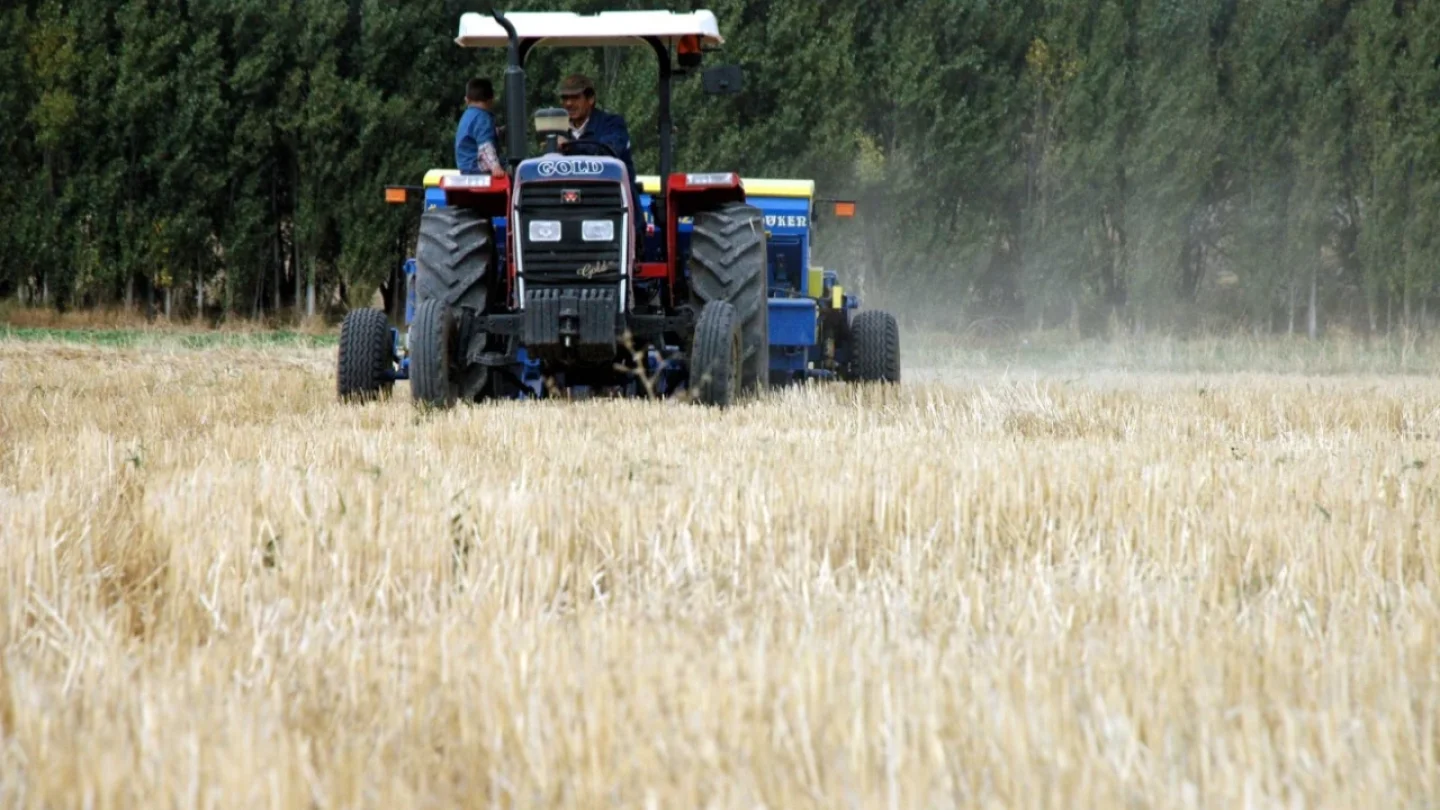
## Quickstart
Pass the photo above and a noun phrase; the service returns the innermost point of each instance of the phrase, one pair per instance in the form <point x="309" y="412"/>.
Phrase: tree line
<point x="1268" y="165"/>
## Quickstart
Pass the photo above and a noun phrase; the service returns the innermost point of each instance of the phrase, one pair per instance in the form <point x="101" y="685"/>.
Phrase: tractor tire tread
<point x="712" y="378"/>
<point x="875" y="346"/>
<point x="365" y="356"/>
<point x="454" y="257"/>
<point x="728" y="263"/>
<point x="431" y="373"/>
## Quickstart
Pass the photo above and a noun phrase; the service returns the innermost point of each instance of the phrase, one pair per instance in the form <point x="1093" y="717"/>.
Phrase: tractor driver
<point x="587" y="123"/>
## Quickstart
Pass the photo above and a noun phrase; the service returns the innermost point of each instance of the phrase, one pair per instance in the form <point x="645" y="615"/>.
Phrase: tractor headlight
<point x="544" y="230"/>
<point x="598" y="230"/>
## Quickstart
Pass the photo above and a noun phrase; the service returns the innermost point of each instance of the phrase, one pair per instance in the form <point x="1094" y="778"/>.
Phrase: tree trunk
<point x="1290" y="327"/>
<point x="1116" y="281"/>
<point x="999" y="285"/>
<point x="310" y="292"/>
<point x="874" y="253"/>
<point x="1405" y="307"/>
<point x="257" y="299"/>
<point x="275" y="249"/>
<point x="1312" y="319"/>
<point x="293" y="251"/>
<point x="1192" y="265"/>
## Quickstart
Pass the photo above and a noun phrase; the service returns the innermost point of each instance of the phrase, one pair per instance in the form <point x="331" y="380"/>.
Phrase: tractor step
<point x="494" y="359"/>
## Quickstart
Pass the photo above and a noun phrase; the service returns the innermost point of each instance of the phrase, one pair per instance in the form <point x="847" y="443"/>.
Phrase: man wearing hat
<point x="587" y="123"/>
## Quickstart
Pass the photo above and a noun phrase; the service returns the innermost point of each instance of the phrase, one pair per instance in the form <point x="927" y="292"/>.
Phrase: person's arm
<point x="613" y="133"/>
<point x="619" y="140"/>
<point x="483" y="130"/>
<point x="490" y="159"/>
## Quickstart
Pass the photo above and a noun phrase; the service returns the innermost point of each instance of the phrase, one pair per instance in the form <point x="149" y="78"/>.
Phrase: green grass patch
<point x="129" y="338"/>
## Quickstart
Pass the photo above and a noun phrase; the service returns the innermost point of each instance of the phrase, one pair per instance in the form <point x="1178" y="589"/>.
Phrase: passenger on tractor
<point x="476" y="141"/>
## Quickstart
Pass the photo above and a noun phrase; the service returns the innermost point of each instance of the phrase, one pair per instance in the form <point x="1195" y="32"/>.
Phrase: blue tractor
<point x="568" y="276"/>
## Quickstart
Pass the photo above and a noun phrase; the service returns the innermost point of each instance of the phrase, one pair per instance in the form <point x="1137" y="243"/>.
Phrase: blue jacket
<point x="610" y="129"/>
<point x="476" y="127"/>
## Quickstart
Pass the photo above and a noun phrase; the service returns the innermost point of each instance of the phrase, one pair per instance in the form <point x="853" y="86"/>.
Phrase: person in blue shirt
<point x="476" y="141"/>
<point x="587" y="123"/>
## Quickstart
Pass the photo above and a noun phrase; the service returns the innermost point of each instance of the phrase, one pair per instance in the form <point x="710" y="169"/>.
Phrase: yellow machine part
<point x="837" y="296"/>
<point x="756" y="186"/>
<point x="815" y="283"/>
<point x="432" y="177"/>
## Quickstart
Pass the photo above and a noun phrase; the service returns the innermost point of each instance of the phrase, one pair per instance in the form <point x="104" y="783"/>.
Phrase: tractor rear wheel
<point x="455" y="264"/>
<point x="455" y="257"/>
<point x="875" y="347"/>
<point x="366" y="355"/>
<point x="432" y="342"/>
<point x="727" y="263"/>
<point x="715" y="360"/>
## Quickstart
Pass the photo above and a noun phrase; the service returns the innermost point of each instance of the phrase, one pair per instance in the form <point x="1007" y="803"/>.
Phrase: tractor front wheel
<point x="365" y="363"/>
<point x="432" y="370"/>
<point x="718" y="355"/>
<point x="875" y="347"/>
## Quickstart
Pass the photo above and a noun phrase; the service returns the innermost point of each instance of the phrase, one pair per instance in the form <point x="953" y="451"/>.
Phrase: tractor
<point x="568" y="276"/>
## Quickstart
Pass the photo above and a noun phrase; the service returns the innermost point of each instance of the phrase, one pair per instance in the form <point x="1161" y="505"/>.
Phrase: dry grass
<point x="1116" y="590"/>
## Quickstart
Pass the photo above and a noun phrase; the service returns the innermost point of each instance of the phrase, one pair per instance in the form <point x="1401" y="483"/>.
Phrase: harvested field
<point x="988" y="588"/>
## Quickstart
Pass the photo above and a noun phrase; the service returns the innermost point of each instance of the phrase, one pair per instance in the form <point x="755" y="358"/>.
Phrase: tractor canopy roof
<point x="568" y="28"/>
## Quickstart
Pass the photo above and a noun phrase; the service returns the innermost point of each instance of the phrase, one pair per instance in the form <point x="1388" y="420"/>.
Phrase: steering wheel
<point x="570" y="148"/>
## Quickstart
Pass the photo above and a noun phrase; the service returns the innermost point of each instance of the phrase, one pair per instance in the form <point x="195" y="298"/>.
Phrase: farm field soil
<point x="984" y="588"/>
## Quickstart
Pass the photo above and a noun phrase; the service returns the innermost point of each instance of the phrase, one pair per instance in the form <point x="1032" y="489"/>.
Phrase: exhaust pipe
<point x="514" y="93"/>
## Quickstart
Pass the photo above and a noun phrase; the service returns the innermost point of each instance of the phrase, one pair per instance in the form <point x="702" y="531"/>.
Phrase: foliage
<point x="1092" y="163"/>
